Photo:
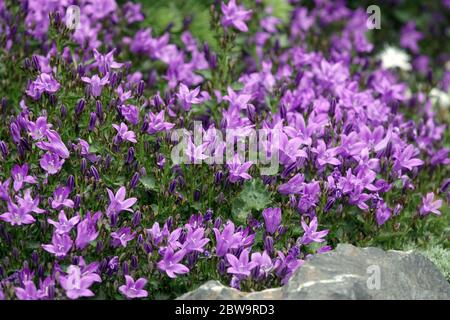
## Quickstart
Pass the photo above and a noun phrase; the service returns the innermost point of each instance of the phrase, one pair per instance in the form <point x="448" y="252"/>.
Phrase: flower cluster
<point x="92" y="202"/>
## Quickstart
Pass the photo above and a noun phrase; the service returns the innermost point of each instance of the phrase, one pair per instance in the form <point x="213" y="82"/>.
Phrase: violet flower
<point x="311" y="234"/>
<point x="39" y="129"/>
<point x="156" y="123"/>
<point x="383" y="213"/>
<point x="106" y="62"/>
<point x="241" y="266"/>
<point x="134" y="289"/>
<point x="326" y="155"/>
<point x="234" y="15"/>
<point x="410" y="36"/>
<point x="195" y="240"/>
<point x="404" y="158"/>
<point x="429" y="205"/>
<point x="124" y="134"/>
<point x="122" y="237"/>
<point x="28" y="292"/>
<point x="60" y="198"/>
<point x="170" y="263"/>
<point x="130" y="113"/>
<point x="187" y="97"/>
<point x="237" y="100"/>
<point x="156" y="234"/>
<point x="86" y="231"/>
<point x="60" y="246"/>
<point x="238" y="170"/>
<point x="272" y="219"/>
<point x="64" y="225"/>
<point x="43" y="83"/>
<point x="76" y="284"/>
<point x="51" y="163"/>
<point x="54" y="144"/>
<point x="28" y="204"/>
<point x="227" y="239"/>
<point x="96" y="83"/>
<point x="20" y="176"/>
<point x="263" y="261"/>
<point x="4" y="189"/>
<point x="118" y="203"/>
<point x="17" y="216"/>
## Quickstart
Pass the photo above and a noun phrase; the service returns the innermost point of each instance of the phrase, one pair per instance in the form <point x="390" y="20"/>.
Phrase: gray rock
<point x="348" y="273"/>
<point x="214" y="290"/>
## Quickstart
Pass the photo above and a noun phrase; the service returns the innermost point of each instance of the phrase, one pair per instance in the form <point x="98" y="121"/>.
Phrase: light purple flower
<point x="404" y="158"/>
<point x="60" y="246"/>
<point x="99" y="9"/>
<point x="195" y="154"/>
<point x="383" y="213"/>
<point x="272" y="219"/>
<point x="237" y="100"/>
<point x="429" y="205"/>
<point x="4" y="189"/>
<point x="77" y="284"/>
<point x="227" y="239"/>
<point x="122" y="237"/>
<point x="134" y="289"/>
<point x="54" y="144"/>
<point x="43" y="83"/>
<point x="133" y="12"/>
<point x="96" y="83"/>
<point x="86" y="230"/>
<point x="326" y="155"/>
<point x="234" y="15"/>
<point x="294" y="186"/>
<point x="238" y="170"/>
<point x="60" y="198"/>
<point x="117" y="202"/>
<point x="156" y="234"/>
<point x="156" y="123"/>
<point x="241" y="266"/>
<point x="170" y="263"/>
<point x="39" y="129"/>
<point x="20" y="176"/>
<point x="195" y="240"/>
<point x="17" y="216"/>
<point x="64" y="225"/>
<point x="290" y="150"/>
<point x="187" y="98"/>
<point x="28" y="292"/>
<point x="28" y="204"/>
<point x="311" y="234"/>
<point x="410" y="36"/>
<point x="106" y="62"/>
<point x="47" y="83"/>
<point x="263" y="261"/>
<point x="130" y="113"/>
<point x="124" y="134"/>
<point x="51" y="163"/>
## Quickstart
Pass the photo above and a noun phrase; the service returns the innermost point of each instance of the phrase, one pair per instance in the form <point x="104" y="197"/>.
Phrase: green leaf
<point x="253" y="197"/>
<point x="149" y="183"/>
<point x="281" y="8"/>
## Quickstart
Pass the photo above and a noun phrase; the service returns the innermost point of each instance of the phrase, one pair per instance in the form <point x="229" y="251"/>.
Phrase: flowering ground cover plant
<point x="107" y="192"/>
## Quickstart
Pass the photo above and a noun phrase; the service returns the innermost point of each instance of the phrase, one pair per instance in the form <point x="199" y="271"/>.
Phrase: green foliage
<point x="438" y="255"/>
<point x="254" y="197"/>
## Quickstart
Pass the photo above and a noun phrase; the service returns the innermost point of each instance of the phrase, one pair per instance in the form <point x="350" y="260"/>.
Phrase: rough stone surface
<point x="348" y="272"/>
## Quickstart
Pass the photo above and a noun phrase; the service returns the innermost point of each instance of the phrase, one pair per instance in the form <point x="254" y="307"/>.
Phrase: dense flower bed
<point x="106" y="191"/>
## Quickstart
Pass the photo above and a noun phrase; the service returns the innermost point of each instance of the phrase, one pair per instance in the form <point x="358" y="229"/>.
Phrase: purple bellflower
<point x="272" y="219"/>
<point x="170" y="263"/>
<point x="117" y="202"/>
<point x="236" y="16"/>
<point x="134" y="289"/>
